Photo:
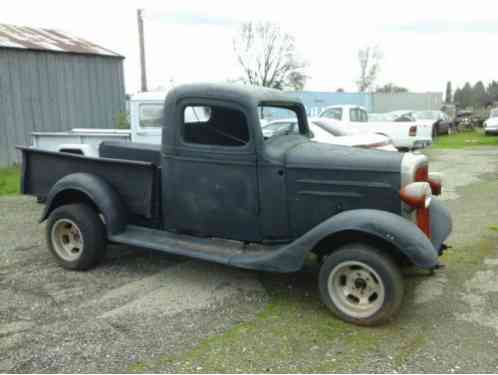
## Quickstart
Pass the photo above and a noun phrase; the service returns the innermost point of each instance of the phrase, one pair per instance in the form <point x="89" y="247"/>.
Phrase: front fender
<point x="404" y="235"/>
<point x="93" y="188"/>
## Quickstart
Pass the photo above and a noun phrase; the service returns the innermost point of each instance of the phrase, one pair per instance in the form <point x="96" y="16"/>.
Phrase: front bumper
<point x="412" y="143"/>
<point x="441" y="224"/>
<point x="422" y="144"/>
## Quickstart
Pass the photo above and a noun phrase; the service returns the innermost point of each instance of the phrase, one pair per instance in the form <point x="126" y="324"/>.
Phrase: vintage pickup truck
<point x="217" y="190"/>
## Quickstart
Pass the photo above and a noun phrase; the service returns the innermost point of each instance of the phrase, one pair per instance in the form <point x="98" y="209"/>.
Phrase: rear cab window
<point x="215" y="125"/>
<point x="358" y="115"/>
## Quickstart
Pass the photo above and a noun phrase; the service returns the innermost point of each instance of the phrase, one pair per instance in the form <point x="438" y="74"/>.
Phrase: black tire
<point x="435" y="130"/>
<point x="90" y="230"/>
<point x="384" y="308"/>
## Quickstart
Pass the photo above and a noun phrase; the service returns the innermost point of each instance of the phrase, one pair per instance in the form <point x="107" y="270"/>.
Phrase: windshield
<point x="333" y="113"/>
<point x="494" y="113"/>
<point x="276" y="121"/>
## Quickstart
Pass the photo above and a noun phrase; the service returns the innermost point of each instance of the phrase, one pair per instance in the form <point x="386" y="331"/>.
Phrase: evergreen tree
<point x="479" y="95"/>
<point x="449" y="94"/>
<point x="492" y="91"/>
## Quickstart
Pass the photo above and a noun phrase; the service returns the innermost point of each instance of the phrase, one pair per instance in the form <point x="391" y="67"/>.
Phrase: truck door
<point x="210" y="180"/>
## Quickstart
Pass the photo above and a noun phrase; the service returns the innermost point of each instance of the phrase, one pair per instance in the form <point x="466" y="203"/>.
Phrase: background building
<point x="51" y="81"/>
<point x="407" y="101"/>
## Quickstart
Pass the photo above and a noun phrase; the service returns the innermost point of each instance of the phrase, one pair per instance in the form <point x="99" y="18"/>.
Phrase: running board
<point x="276" y="258"/>
<point x="212" y="249"/>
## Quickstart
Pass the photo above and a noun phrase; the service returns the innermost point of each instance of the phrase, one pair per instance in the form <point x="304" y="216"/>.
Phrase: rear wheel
<point x="361" y="285"/>
<point x="76" y="236"/>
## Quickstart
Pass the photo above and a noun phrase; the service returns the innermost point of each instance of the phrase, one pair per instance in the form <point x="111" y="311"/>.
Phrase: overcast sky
<point x="424" y="43"/>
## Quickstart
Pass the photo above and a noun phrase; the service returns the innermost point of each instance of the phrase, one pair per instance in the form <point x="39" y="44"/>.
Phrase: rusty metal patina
<point x="22" y="37"/>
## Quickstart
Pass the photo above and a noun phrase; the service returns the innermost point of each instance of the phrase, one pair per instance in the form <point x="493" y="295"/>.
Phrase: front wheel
<point x="361" y="285"/>
<point x="76" y="236"/>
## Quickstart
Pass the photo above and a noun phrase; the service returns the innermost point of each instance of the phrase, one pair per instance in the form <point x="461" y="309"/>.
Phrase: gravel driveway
<point x="140" y="306"/>
<point x="134" y="306"/>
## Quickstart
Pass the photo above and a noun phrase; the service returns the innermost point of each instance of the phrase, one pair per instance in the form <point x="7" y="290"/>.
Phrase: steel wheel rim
<point x="356" y="289"/>
<point x="67" y="240"/>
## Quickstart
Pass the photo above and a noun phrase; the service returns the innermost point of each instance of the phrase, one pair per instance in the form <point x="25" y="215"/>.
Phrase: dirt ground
<point x="143" y="311"/>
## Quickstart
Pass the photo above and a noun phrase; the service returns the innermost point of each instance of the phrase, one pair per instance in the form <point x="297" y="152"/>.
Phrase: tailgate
<point x="136" y="182"/>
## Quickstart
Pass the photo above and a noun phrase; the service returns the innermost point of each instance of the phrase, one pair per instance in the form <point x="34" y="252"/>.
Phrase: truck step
<point x="211" y="249"/>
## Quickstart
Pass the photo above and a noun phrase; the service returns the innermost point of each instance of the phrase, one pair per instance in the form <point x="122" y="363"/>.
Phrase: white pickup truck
<point x="145" y="127"/>
<point x="404" y="135"/>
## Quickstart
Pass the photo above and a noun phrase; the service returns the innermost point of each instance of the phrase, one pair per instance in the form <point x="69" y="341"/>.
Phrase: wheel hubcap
<point x="67" y="240"/>
<point x="356" y="289"/>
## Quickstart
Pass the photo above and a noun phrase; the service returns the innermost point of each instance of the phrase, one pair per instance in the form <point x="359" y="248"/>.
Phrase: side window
<point x="215" y="126"/>
<point x="150" y="115"/>
<point x="353" y="115"/>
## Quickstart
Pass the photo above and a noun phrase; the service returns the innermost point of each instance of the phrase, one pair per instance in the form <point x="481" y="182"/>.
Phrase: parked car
<point x="440" y="121"/>
<point x="326" y="131"/>
<point x="491" y="124"/>
<point x="464" y="121"/>
<point x="409" y="135"/>
<point x="216" y="190"/>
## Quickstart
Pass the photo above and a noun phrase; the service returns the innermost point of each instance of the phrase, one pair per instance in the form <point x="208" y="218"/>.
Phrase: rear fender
<point x="88" y="188"/>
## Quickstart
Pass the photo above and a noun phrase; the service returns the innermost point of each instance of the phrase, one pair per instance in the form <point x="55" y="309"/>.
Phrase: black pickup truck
<point x="217" y="189"/>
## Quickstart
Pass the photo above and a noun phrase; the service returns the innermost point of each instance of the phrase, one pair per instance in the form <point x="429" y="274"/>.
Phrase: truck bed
<point x="137" y="182"/>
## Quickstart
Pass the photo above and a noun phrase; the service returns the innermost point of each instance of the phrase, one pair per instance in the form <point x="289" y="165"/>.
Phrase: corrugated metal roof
<point x="23" y="37"/>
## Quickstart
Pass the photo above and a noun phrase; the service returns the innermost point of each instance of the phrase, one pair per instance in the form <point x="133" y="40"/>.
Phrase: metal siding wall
<point x="42" y="91"/>
<point x="16" y="130"/>
<point x="408" y="101"/>
<point x="4" y="107"/>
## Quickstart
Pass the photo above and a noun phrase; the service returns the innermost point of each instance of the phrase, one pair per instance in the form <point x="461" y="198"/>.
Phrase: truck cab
<point x="217" y="190"/>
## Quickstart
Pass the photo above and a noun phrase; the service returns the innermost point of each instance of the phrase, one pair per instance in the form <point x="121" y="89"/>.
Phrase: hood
<point x="323" y="180"/>
<point x="327" y="156"/>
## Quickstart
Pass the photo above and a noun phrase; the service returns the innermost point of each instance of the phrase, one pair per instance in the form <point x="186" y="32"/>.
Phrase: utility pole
<point x="141" y="42"/>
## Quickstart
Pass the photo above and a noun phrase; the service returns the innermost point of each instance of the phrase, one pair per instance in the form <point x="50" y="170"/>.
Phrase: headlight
<point x="417" y="194"/>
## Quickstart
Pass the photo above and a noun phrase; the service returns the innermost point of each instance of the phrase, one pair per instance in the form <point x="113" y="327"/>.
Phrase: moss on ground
<point x="470" y="257"/>
<point x="465" y="139"/>
<point x="294" y="333"/>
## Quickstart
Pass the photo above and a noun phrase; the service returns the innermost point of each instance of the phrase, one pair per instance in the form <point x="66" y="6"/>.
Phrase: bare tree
<point x="369" y="59"/>
<point x="268" y="57"/>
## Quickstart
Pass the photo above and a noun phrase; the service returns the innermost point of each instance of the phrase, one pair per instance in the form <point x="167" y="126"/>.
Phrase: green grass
<point x="9" y="181"/>
<point x="465" y="139"/>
